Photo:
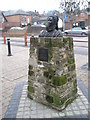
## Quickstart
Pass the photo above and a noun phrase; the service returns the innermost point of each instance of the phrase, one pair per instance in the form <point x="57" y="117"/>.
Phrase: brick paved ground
<point x="14" y="74"/>
<point x="0" y="82"/>
<point x="14" y="69"/>
<point x="30" y="109"/>
<point x="82" y="72"/>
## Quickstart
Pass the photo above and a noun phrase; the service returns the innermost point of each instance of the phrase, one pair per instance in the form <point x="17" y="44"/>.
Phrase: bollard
<point x="25" y="36"/>
<point x="4" y="36"/>
<point x="9" y="48"/>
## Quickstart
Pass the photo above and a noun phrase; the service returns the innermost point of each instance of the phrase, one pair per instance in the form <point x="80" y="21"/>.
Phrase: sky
<point x="29" y="5"/>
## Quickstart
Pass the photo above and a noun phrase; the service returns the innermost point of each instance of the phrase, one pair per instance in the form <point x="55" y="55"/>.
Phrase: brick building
<point x="16" y="20"/>
<point x="81" y="20"/>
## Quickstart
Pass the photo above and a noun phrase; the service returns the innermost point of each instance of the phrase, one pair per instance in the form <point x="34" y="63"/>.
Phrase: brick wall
<point x="82" y="17"/>
<point x="15" y="33"/>
<point x="18" y="18"/>
<point x="34" y="30"/>
<point x="13" y="18"/>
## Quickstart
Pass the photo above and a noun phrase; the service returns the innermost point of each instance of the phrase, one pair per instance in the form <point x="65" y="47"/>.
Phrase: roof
<point x="43" y="18"/>
<point x="17" y="14"/>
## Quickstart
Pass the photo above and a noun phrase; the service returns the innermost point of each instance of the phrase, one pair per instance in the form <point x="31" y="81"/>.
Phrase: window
<point x="82" y="14"/>
<point x="23" y="19"/>
<point x="76" y="28"/>
<point x="82" y="23"/>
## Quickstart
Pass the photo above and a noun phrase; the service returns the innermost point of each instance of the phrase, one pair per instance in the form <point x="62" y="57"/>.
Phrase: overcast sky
<point x="29" y="5"/>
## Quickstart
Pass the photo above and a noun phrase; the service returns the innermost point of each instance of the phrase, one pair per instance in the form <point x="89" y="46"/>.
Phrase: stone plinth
<point x="51" y="75"/>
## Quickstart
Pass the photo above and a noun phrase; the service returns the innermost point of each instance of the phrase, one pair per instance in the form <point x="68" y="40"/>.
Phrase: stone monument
<point x="51" y="75"/>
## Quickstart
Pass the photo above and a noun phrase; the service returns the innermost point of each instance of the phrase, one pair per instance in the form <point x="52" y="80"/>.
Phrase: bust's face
<point x="50" y="20"/>
<point x="51" y="23"/>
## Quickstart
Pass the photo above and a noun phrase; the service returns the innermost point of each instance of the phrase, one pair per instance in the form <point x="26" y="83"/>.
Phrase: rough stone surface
<point x="52" y="82"/>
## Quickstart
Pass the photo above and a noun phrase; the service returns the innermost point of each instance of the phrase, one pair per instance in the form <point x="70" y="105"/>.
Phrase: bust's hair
<point x="56" y="22"/>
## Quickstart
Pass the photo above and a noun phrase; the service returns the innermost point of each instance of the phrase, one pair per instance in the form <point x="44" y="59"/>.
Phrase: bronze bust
<point x="51" y="28"/>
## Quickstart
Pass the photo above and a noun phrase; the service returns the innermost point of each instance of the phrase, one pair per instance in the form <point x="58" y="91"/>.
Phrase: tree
<point x="70" y="7"/>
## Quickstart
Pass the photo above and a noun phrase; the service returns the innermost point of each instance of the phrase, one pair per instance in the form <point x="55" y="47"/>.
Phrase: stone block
<point x="51" y="72"/>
